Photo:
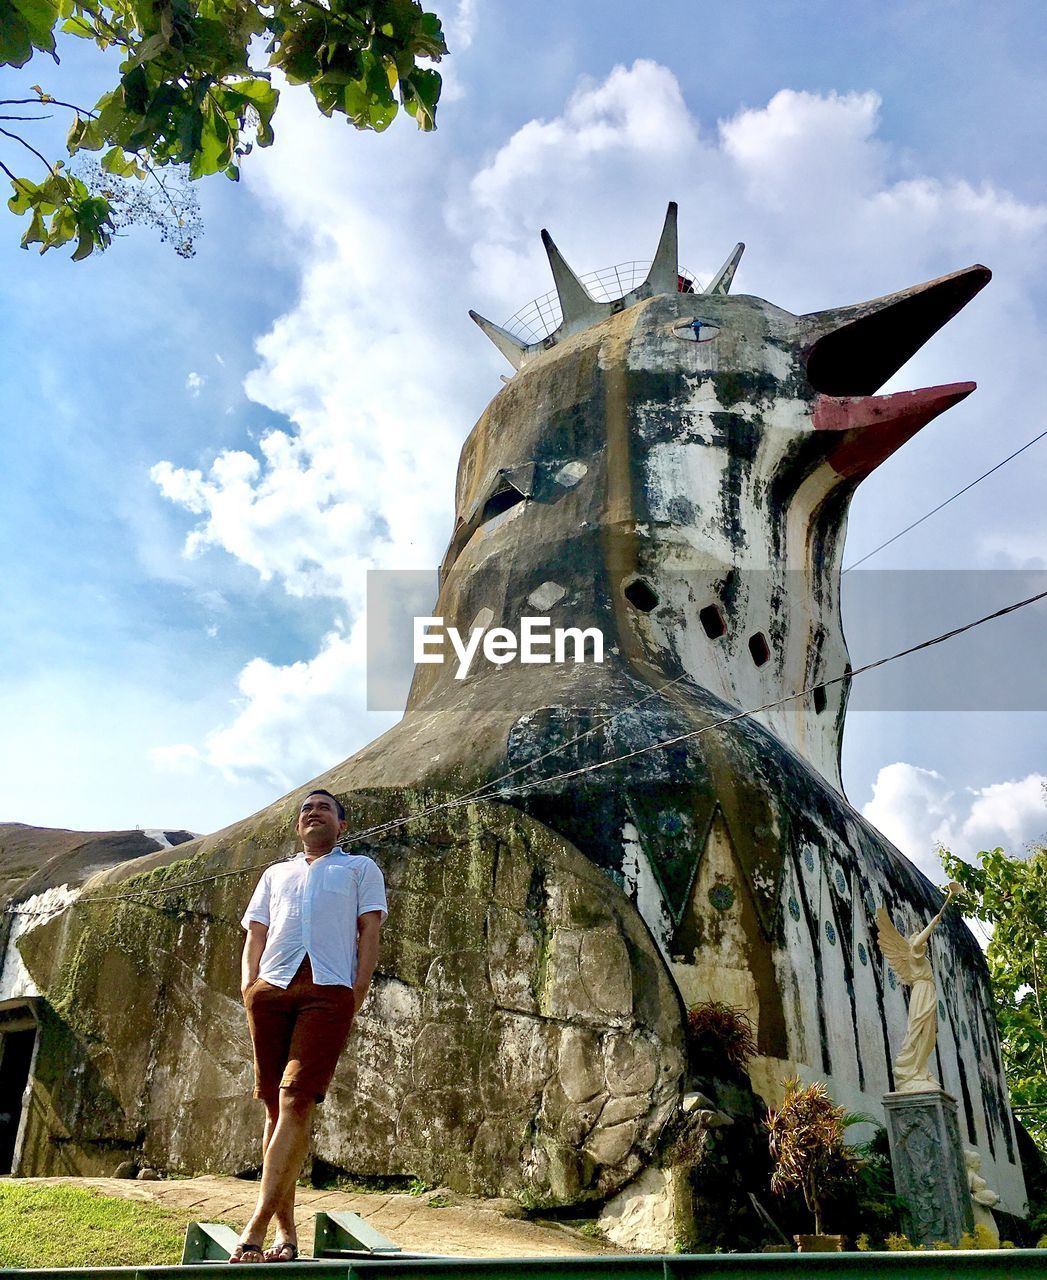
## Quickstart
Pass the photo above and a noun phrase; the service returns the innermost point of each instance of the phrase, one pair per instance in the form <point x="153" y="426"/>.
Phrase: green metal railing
<point x="1002" y="1264"/>
<point x="348" y="1248"/>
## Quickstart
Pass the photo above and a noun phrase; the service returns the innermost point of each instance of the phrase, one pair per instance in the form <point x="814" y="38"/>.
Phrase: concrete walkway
<point x="463" y="1228"/>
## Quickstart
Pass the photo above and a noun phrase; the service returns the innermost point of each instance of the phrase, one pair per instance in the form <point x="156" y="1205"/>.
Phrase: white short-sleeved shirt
<point x="312" y="909"/>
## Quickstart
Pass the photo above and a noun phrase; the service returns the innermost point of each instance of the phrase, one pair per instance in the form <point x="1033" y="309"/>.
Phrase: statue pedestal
<point x="927" y="1158"/>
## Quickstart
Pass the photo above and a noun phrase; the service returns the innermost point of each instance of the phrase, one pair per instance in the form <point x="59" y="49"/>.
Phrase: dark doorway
<point x="16" y="1057"/>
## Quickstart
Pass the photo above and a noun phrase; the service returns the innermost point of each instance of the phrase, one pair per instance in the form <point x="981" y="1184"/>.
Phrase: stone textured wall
<point x="523" y="1036"/>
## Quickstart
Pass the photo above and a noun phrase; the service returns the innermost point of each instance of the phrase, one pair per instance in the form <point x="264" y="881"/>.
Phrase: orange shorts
<point x="298" y="1033"/>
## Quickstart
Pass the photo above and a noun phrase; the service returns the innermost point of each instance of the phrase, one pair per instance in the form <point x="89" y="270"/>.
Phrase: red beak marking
<point x="870" y="428"/>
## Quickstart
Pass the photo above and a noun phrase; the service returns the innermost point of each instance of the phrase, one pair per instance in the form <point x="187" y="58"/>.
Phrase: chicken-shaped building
<point x="672" y="468"/>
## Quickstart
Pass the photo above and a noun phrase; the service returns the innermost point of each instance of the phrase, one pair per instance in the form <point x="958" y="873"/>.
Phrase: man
<point x="312" y="942"/>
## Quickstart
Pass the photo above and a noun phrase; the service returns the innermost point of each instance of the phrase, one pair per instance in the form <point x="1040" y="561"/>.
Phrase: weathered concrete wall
<point x="523" y="1037"/>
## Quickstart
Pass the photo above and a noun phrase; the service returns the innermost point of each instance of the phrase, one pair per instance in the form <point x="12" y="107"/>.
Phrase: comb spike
<point x="721" y="282"/>
<point x="511" y="347"/>
<point x="575" y="302"/>
<point x="663" y="276"/>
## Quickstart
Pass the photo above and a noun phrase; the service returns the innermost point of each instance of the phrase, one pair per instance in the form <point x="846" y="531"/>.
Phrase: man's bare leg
<point x="284" y="1215"/>
<point x="285" y="1144"/>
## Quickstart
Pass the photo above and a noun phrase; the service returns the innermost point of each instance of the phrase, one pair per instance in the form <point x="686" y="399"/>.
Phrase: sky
<point x="200" y="460"/>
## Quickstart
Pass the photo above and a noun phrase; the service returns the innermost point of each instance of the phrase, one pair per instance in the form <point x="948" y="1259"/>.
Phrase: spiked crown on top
<point x="580" y="310"/>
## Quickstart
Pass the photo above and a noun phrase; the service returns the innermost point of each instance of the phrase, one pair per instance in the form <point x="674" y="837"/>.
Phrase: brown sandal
<point x="279" y="1249"/>
<point x="245" y="1246"/>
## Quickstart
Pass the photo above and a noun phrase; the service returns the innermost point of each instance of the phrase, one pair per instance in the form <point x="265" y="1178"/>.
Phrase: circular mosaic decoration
<point x="841" y="881"/>
<point x="941" y="1010"/>
<point x="863" y="955"/>
<point x="808" y="858"/>
<point x="892" y="979"/>
<point x="722" y="897"/>
<point x="870" y="905"/>
<point x="670" y="822"/>
<point x="794" y="909"/>
<point x="830" y="932"/>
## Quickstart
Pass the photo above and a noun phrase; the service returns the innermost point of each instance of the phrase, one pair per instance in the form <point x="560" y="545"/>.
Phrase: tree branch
<point x="29" y="147"/>
<point x="1039" y="1009"/>
<point x="45" y="101"/>
<point x="18" y="182"/>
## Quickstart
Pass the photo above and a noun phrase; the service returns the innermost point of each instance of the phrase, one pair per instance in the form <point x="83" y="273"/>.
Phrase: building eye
<point x="696" y="330"/>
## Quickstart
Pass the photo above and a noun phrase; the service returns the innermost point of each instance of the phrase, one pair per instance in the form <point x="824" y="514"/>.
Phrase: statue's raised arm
<point x="909" y="959"/>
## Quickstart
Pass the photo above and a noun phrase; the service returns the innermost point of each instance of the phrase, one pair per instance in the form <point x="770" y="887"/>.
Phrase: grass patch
<point x="63" y="1226"/>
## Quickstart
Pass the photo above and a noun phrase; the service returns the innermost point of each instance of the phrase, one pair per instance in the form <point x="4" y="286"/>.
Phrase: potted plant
<point x="809" y="1154"/>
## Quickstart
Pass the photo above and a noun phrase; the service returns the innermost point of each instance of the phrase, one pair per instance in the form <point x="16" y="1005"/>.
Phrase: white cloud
<point x="179" y="757"/>
<point x="917" y="810"/>
<point x="291" y="720"/>
<point x="194" y="384"/>
<point x="379" y="376"/>
<point x="461" y="25"/>
<point x="804" y="143"/>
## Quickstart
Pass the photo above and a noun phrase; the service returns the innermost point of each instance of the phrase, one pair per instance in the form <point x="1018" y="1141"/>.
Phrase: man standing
<point x="312" y="942"/>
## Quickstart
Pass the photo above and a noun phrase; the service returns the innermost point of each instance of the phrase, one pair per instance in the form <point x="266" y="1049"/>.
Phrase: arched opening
<point x="18" y="1031"/>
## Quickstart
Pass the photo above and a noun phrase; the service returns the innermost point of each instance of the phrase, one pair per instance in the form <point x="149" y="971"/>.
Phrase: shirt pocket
<point x="340" y="880"/>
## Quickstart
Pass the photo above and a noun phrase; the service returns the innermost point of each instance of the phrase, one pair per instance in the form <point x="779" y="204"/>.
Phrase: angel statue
<point x="909" y="960"/>
<point x="982" y="1196"/>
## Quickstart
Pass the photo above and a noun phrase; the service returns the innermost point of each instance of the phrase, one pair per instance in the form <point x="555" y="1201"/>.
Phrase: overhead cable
<point x="959" y="493"/>
<point x="496" y="790"/>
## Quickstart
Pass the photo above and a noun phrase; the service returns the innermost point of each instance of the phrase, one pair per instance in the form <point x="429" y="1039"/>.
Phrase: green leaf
<point x="150" y="48"/>
<point x="37" y="232"/>
<point x="85" y="134"/>
<point x="115" y="161"/>
<point x="63" y="227"/>
<point x="79" y="26"/>
<point x="260" y="95"/>
<point x="421" y="92"/>
<point x="26" y="25"/>
<point x="16" y="44"/>
<point x="23" y="199"/>
<point x="429" y="37"/>
<point x="215" y="149"/>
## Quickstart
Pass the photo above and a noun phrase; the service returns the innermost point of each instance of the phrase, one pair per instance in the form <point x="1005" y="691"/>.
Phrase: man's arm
<point x="254" y="945"/>
<point x="367" y="927"/>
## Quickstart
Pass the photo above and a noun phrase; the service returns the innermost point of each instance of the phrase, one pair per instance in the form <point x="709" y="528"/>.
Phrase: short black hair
<point x="319" y="791"/>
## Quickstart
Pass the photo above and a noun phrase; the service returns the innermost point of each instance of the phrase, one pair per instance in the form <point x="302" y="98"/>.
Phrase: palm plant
<point x="807" y="1146"/>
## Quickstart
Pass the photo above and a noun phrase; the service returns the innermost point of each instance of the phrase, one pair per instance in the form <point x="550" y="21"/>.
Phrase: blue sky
<point x="200" y="460"/>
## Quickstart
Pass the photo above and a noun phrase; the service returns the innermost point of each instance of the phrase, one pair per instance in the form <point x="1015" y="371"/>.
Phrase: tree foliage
<point x="189" y="92"/>
<point x="1010" y="895"/>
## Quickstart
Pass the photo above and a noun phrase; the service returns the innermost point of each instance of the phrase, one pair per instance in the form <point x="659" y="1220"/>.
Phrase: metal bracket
<point x="338" y="1233"/>
<point x="208" y="1242"/>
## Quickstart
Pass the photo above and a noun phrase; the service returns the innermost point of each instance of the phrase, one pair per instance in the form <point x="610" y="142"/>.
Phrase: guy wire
<point x="495" y="790"/>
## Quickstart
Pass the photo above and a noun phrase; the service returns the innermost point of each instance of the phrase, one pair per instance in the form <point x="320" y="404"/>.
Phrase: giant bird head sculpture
<point x="676" y="466"/>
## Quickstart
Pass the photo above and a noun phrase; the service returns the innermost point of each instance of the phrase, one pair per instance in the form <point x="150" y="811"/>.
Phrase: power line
<point x="789" y="697"/>
<point x="495" y="788"/>
<point x="957" y="494"/>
